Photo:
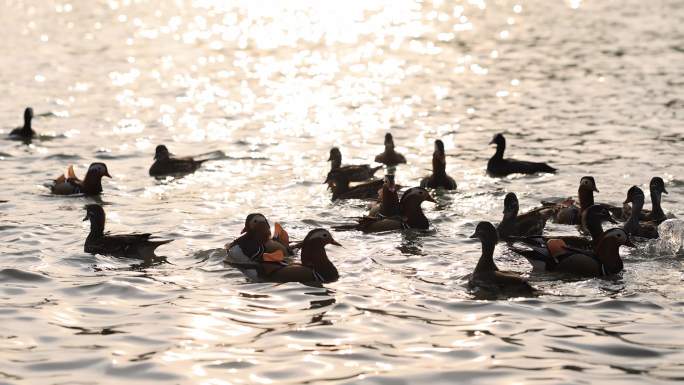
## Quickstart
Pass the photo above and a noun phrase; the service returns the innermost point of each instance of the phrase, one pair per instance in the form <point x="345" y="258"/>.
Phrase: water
<point x="593" y="87"/>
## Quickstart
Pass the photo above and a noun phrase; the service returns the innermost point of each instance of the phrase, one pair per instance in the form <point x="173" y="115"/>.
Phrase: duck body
<point x="388" y="204"/>
<point x="166" y="164"/>
<point x="558" y="257"/>
<point x="24" y="132"/>
<point x="411" y="215"/>
<point x="569" y="213"/>
<point x="341" y="189"/>
<point x="439" y="177"/>
<point x="527" y="224"/>
<point x="139" y="246"/>
<point x="498" y="166"/>
<point x="355" y="173"/>
<point x="390" y="157"/>
<point x="69" y="184"/>
<point x="487" y="275"/>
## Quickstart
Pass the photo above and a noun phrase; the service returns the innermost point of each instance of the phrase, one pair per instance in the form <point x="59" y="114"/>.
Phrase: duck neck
<point x="335" y="163"/>
<point x="608" y="252"/>
<point x="656" y="210"/>
<point x="586" y="198"/>
<point x="389" y="206"/>
<point x="637" y="206"/>
<point x="509" y="218"/>
<point x="92" y="184"/>
<point x="315" y="258"/>
<point x="438" y="165"/>
<point x="97" y="226"/>
<point x="486" y="262"/>
<point x="413" y="215"/>
<point x="500" y="148"/>
<point x="595" y="228"/>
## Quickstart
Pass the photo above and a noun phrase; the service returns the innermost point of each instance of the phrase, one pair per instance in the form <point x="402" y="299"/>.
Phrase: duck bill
<point x="334" y="242"/>
<point x="628" y="200"/>
<point x="106" y="173"/>
<point x="595" y="189"/>
<point x="86" y="217"/>
<point x="473" y="236"/>
<point x="665" y="191"/>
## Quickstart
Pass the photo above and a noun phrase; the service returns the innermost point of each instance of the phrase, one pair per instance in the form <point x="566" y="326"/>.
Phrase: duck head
<point x="96" y="171"/>
<point x="500" y="143"/>
<point x="598" y="214"/>
<point x="314" y="255"/>
<point x="389" y="142"/>
<point x="319" y="237"/>
<point x="409" y="207"/>
<point x="439" y="157"/>
<point x="486" y="233"/>
<point x="338" y="180"/>
<point x="257" y="227"/>
<point x="161" y="152"/>
<point x="28" y="115"/>
<point x="608" y="249"/>
<point x="511" y="205"/>
<point x="95" y="213"/>
<point x="416" y="196"/>
<point x="635" y="195"/>
<point x="658" y="185"/>
<point x="587" y="183"/>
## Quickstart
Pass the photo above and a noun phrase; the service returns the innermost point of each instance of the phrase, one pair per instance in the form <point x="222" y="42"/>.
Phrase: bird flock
<point x="265" y="255"/>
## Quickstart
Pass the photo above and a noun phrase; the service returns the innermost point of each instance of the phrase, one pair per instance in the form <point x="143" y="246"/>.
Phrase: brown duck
<point x="633" y="226"/>
<point x="165" y="163"/>
<point x="69" y="184"/>
<point x="487" y="275"/>
<point x="390" y="157"/>
<point x="355" y="173"/>
<point x="439" y="177"/>
<point x="521" y="225"/>
<point x="338" y="182"/>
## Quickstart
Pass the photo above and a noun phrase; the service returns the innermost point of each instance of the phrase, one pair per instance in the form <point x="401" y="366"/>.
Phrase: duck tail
<point x="373" y="170"/>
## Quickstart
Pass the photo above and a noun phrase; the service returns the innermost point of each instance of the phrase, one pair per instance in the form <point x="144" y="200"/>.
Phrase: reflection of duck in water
<point x="262" y="257"/>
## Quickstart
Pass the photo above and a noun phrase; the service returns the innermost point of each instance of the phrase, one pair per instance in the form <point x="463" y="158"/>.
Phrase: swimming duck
<point x="411" y="215"/>
<point x="558" y="257"/>
<point x="167" y="164"/>
<point x="498" y="166"/>
<point x="592" y="219"/>
<point x="439" y="177"/>
<point x="389" y="156"/>
<point x="487" y="275"/>
<point x="633" y="227"/>
<point x="123" y="245"/>
<point x="568" y="213"/>
<point x="338" y="182"/>
<point x="25" y="132"/>
<point x="514" y="225"/>
<point x="656" y="214"/>
<point x="68" y="183"/>
<point x="355" y="173"/>
<point x="388" y="202"/>
<point x="315" y="265"/>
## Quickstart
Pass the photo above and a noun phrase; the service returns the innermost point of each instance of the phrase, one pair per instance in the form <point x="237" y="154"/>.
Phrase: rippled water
<point x="595" y="87"/>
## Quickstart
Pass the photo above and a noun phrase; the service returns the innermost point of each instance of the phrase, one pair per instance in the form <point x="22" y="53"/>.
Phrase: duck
<point x="656" y="214"/>
<point x="139" y="246"/>
<point x="388" y="201"/>
<point x="390" y="157"/>
<point x="68" y="184"/>
<point x="411" y="215"/>
<point x="165" y="163"/>
<point x="592" y="219"/>
<point x="315" y="266"/>
<point x="25" y="132"/>
<point x="487" y="275"/>
<point x="355" y="173"/>
<point x="439" y="177"/>
<point x="567" y="211"/>
<point x="338" y="182"/>
<point x="517" y="225"/>
<point x="498" y="166"/>
<point x="633" y="226"/>
<point x="602" y="261"/>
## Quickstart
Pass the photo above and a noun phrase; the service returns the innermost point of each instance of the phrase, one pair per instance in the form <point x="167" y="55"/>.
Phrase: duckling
<point x="25" y="132"/>
<point x="514" y="225"/>
<point x="69" y="184"/>
<point x="592" y="219"/>
<point x="487" y="275"/>
<point x="315" y="266"/>
<point x="124" y="245"/>
<point x="355" y="173"/>
<point x="338" y="182"/>
<point x="411" y="215"/>
<point x="558" y="257"/>
<point x="165" y="163"/>
<point x="633" y="227"/>
<point x="498" y="166"/>
<point x="389" y="156"/>
<point x="388" y="202"/>
<point x="439" y="177"/>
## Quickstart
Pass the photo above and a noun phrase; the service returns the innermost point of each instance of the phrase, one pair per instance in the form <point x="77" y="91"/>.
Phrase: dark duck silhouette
<point x="390" y="157"/>
<point x="139" y="246"/>
<point x="355" y="173"/>
<point x="315" y="266"/>
<point x="498" y="166"/>
<point x="339" y="183"/>
<point x="68" y="184"/>
<point x="567" y="211"/>
<point x="557" y="257"/>
<point x="439" y="177"/>
<point x="633" y="226"/>
<point x="25" y="132"/>
<point x="487" y="275"/>
<point x="592" y="220"/>
<point x="411" y="215"/>
<point x="517" y="225"/>
<point x="656" y="214"/>
<point x="388" y="202"/>
<point x="165" y="163"/>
